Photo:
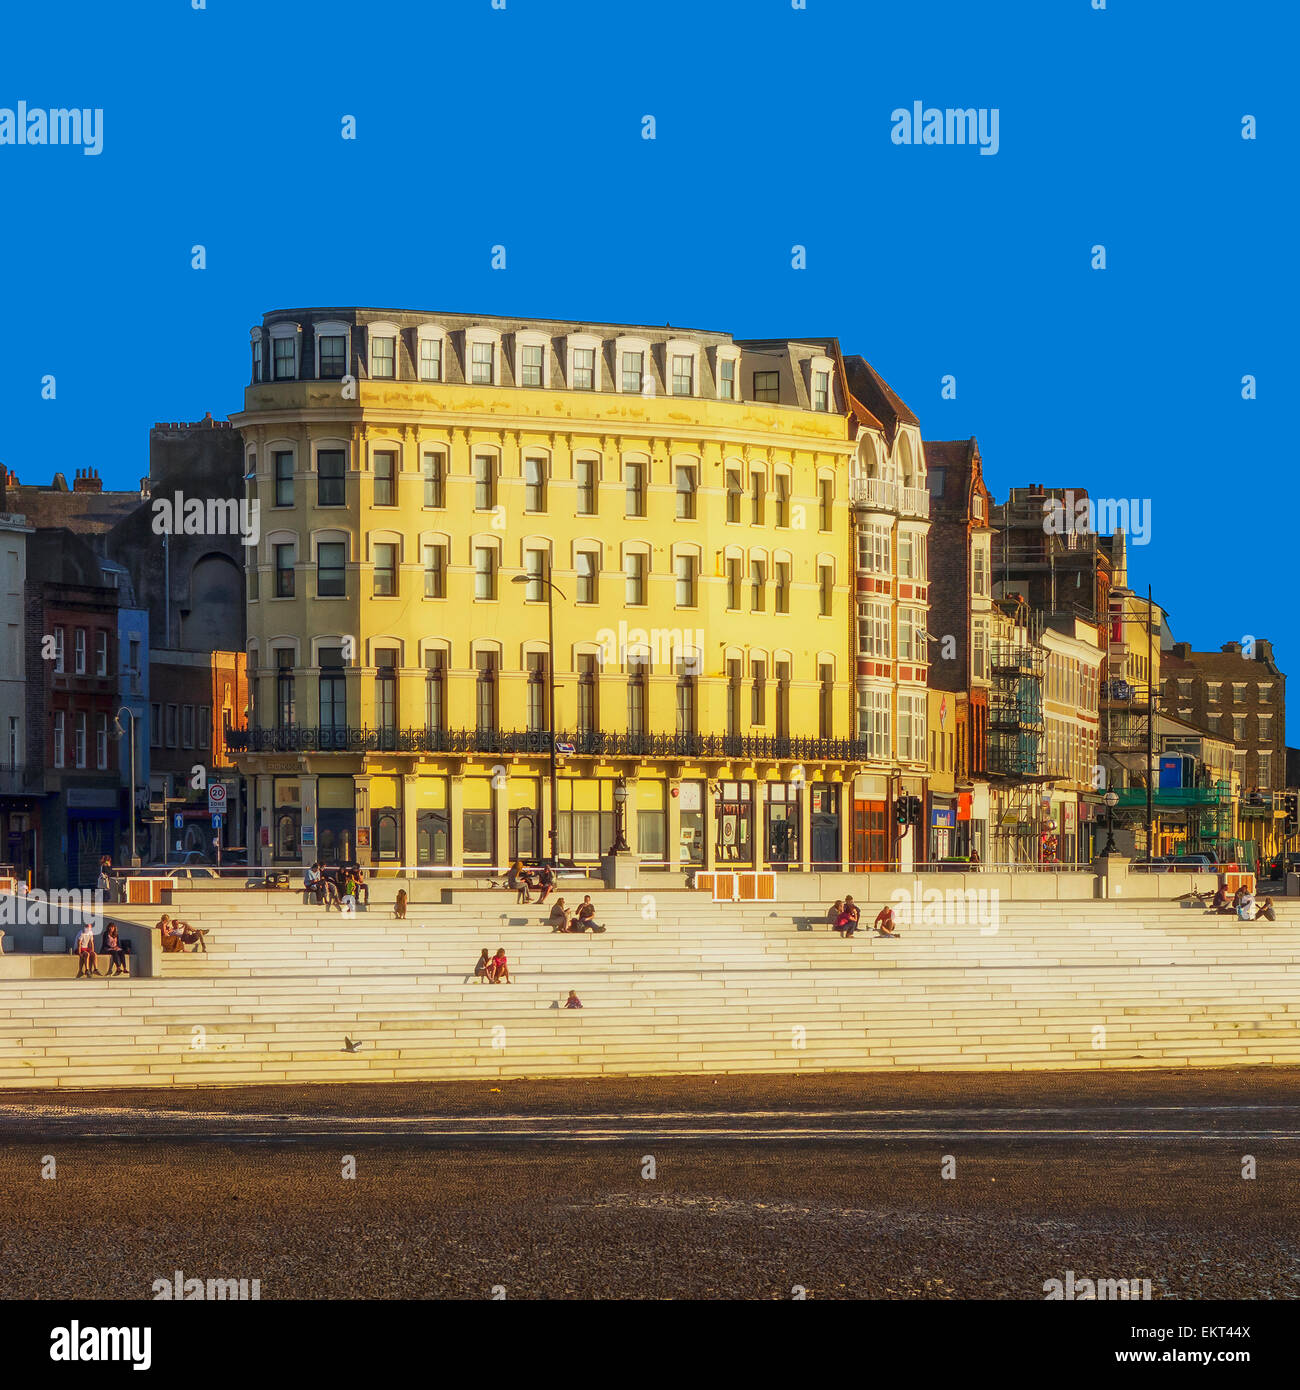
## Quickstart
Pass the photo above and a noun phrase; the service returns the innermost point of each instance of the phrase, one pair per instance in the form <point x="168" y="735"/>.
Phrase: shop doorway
<point x="870" y="837"/>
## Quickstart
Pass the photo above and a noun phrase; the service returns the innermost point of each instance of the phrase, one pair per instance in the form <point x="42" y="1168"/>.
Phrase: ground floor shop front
<point x="484" y="814"/>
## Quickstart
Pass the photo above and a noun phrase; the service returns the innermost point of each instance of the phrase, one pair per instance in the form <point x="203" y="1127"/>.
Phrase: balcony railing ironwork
<point x="595" y="743"/>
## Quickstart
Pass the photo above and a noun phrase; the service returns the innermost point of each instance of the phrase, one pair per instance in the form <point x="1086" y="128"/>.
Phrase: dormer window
<point x="583" y="362"/>
<point x="383" y="351"/>
<point x="633" y="370"/>
<point x="482" y="362"/>
<point x="681" y="359"/>
<point x="257" y="354"/>
<point x="726" y="372"/>
<point x="532" y="365"/>
<point x="821" y="390"/>
<point x="333" y="356"/>
<point x="284" y="351"/>
<point x="767" y="386"/>
<point x="584" y="369"/>
<point x="430" y="359"/>
<point x="331" y="351"/>
<point x="820" y="393"/>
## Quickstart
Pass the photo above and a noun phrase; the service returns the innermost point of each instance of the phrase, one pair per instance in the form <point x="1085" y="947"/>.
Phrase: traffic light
<point x="1291" y="823"/>
<point x="914" y="809"/>
<point x="901" y="810"/>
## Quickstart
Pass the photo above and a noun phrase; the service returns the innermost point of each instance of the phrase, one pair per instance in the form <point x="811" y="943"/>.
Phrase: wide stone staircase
<point x="676" y="984"/>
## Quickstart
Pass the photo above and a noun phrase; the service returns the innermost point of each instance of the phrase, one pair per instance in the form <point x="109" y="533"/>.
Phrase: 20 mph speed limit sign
<point x="216" y="798"/>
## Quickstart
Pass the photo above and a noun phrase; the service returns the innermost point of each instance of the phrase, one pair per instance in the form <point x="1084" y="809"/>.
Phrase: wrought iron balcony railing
<point x="595" y="743"/>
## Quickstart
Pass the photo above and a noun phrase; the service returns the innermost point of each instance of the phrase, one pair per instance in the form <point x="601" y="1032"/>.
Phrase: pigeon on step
<point x="350" y="1046"/>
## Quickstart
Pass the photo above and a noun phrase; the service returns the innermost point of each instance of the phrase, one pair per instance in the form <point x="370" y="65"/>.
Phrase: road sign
<point x="216" y="797"/>
<point x="216" y="822"/>
<point x="177" y="821"/>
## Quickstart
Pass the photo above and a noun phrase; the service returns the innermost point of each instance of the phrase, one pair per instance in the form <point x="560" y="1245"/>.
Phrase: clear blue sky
<point x="522" y="127"/>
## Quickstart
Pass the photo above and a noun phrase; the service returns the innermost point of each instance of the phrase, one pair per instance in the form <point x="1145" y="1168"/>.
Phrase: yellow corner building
<point x="727" y="537"/>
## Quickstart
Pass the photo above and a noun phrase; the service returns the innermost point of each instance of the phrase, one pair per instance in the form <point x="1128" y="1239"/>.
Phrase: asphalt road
<point x="758" y="1185"/>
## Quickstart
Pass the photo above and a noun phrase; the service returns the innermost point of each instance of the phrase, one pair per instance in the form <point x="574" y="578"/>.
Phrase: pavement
<point x="740" y="1187"/>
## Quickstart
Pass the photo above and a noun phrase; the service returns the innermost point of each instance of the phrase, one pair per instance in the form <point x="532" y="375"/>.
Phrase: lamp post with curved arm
<point x="551" y="591"/>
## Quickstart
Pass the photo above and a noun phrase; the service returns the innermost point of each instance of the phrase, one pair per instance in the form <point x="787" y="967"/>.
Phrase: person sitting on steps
<point x="176" y="936"/>
<point x="399" y="907"/>
<point x="192" y="936"/>
<point x="585" y="918"/>
<point x="86" y="953"/>
<point x="517" y="878"/>
<point x="311" y="884"/>
<point x="847" y="922"/>
<point x="116" y="950"/>
<point x="885" y="921"/>
<point x="559" y="918"/>
<point x="360" y="888"/>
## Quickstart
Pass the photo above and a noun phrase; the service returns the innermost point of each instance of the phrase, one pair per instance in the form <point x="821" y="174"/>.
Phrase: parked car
<point x="1205" y="863"/>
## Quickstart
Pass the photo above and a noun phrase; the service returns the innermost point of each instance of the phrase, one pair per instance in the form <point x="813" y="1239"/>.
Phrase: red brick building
<point x="195" y="697"/>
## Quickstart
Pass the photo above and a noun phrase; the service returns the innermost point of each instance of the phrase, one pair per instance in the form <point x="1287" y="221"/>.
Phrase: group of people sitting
<point x="343" y="888"/>
<point x="845" y="918"/>
<point x="1241" y="904"/>
<point x="493" y="970"/>
<point x="176" y="935"/>
<point x="115" y="949"/>
<point x="564" y="919"/>
<point x="523" y="880"/>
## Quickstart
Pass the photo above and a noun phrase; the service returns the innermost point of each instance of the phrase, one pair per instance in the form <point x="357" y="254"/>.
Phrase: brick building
<point x="71" y="712"/>
<point x="961" y="612"/>
<point x="1238" y="693"/>
<point x="195" y="699"/>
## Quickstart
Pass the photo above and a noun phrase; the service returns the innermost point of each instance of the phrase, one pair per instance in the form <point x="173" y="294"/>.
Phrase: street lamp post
<point x="117" y="720"/>
<point x="620" y="845"/>
<point x="551" y="591"/>
<point x="1112" y="800"/>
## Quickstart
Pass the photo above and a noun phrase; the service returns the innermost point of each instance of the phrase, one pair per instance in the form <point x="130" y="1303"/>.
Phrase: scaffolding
<point x="1016" y="745"/>
<point x="1064" y="573"/>
<point x="1016" y="710"/>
